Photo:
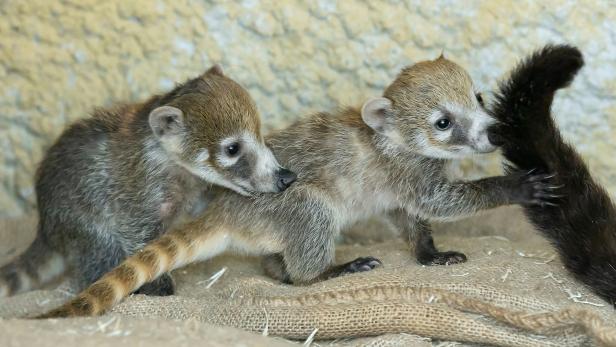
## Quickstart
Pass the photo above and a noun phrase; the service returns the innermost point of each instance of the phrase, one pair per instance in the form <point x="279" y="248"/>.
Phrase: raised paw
<point x="537" y="189"/>
<point x="360" y="264"/>
<point x="442" y="258"/>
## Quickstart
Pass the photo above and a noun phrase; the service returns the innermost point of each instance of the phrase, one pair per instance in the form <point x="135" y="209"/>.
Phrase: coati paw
<point x="162" y="286"/>
<point x="361" y="264"/>
<point x="442" y="258"/>
<point x="537" y="190"/>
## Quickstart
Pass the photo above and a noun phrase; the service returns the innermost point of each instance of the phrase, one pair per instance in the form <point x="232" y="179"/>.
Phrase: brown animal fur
<point x="351" y="165"/>
<point x="119" y="179"/>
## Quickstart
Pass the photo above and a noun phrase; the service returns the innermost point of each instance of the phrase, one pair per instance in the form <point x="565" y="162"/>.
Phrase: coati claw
<point x="547" y="203"/>
<point x="545" y="195"/>
<point x="442" y="258"/>
<point x="540" y="177"/>
<point x="361" y="264"/>
<point x="536" y="189"/>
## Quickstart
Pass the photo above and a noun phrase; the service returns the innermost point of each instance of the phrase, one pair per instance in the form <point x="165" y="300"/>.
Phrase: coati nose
<point x="285" y="179"/>
<point x="494" y="136"/>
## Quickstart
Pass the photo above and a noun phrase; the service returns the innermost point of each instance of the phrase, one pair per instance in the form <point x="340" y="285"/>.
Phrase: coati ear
<point x="375" y="113"/>
<point x="216" y="69"/>
<point x="166" y="120"/>
<point x="442" y="56"/>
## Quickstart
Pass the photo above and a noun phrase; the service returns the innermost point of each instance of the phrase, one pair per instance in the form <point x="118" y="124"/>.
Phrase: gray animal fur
<point x="115" y="181"/>
<point x="349" y="171"/>
<point x="388" y="158"/>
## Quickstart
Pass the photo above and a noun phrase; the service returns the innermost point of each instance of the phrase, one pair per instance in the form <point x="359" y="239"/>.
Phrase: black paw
<point x="361" y="264"/>
<point x="442" y="258"/>
<point x="536" y="190"/>
<point x="162" y="286"/>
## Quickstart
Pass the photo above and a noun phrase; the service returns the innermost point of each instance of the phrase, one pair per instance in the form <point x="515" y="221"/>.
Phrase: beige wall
<point x="60" y="58"/>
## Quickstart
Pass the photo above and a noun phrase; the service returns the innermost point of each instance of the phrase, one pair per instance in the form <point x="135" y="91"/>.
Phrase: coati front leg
<point x="446" y="200"/>
<point x="419" y="234"/>
<point x="275" y="267"/>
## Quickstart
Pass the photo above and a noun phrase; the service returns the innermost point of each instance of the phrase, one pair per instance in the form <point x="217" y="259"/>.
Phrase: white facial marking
<point x="202" y="156"/>
<point x="223" y="158"/>
<point x="424" y="145"/>
<point x="266" y="166"/>
<point x="478" y="133"/>
<point x="441" y="135"/>
<point x="206" y="173"/>
<point x="263" y="174"/>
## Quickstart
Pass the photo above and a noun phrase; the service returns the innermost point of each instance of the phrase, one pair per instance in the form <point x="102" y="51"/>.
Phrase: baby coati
<point x="387" y="158"/>
<point x="115" y="181"/>
<point x="582" y="223"/>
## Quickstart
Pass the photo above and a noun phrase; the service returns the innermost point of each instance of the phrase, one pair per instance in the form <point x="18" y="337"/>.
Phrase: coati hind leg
<point x="419" y="233"/>
<point x="309" y="256"/>
<point x="360" y="264"/>
<point x="92" y="262"/>
<point x="196" y="241"/>
<point x="275" y="267"/>
<point x="107" y="253"/>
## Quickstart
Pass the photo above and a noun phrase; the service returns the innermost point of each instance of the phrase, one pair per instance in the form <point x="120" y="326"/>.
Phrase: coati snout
<point x="285" y="179"/>
<point x="212" y="129"/>
<point x="246" y="165"/>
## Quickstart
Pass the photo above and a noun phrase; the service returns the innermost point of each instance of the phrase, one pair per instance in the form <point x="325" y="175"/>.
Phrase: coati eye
<point x="443" y="124"/>
<point x="233" y="149"/>
<point x="479" y="98"/>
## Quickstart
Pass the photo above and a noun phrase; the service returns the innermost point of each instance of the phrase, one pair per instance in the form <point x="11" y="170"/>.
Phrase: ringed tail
<point x="171" y="251"/>
<point x="37" y="266"/>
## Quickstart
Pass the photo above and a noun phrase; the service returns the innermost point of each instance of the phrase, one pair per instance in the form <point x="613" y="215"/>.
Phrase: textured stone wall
<point x="60" y="58"/>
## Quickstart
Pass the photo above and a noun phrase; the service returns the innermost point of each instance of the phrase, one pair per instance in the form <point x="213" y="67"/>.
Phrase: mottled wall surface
<point x="60" y="58"/>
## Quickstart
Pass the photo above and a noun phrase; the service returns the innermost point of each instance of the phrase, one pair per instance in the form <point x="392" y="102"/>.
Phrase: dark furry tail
<point x="583" y="224"/>
<point x="38" y="265"/>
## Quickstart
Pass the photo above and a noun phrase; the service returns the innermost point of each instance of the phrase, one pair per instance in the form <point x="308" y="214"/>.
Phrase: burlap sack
<point x="512" y="292"/>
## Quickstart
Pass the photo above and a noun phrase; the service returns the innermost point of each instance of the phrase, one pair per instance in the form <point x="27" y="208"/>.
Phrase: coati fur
<point x="581" y="224"/>
<point x="386" y="158"/>
<point x="119" y="179"/>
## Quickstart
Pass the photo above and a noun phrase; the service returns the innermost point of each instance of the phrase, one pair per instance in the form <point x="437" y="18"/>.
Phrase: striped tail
<point x="171" y="251"/>
<point x="38" y="265"/>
